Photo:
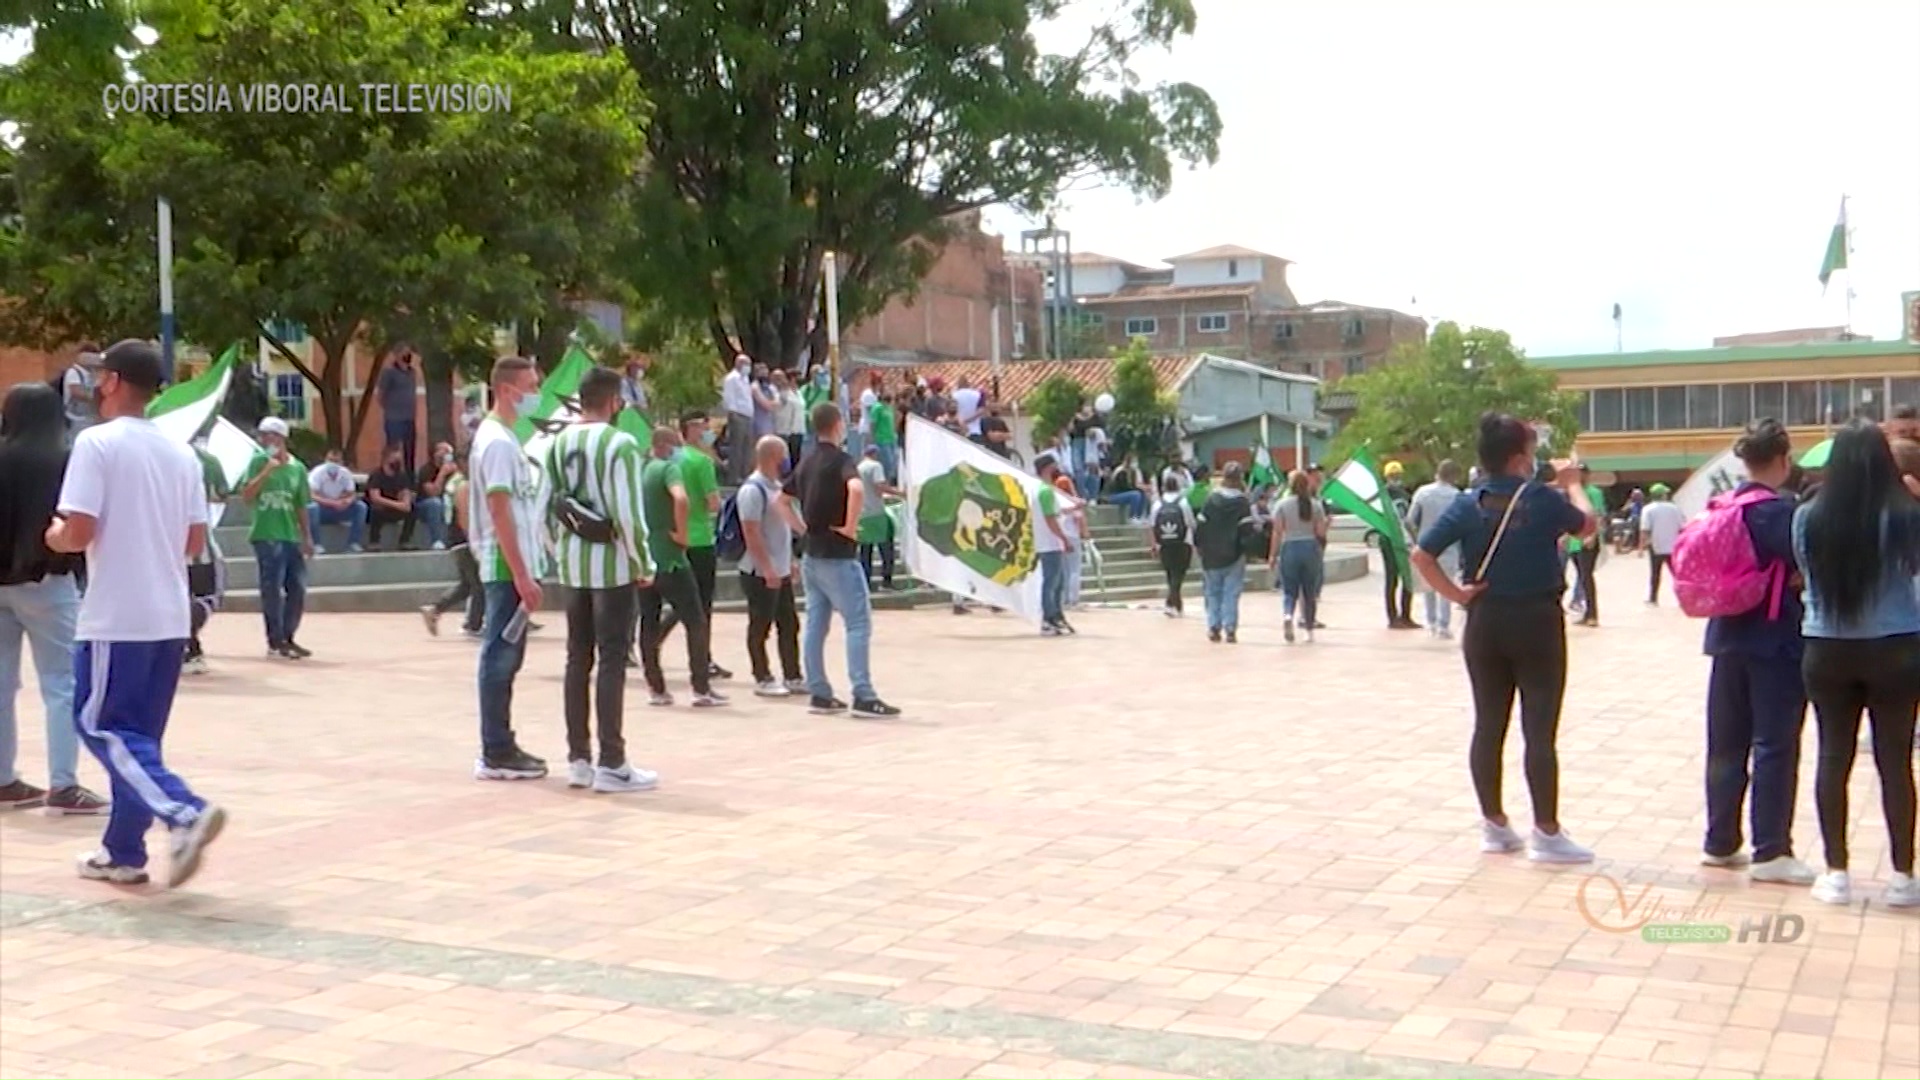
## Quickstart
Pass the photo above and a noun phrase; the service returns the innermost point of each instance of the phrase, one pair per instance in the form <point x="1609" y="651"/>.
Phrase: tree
<point x="785" y="130"/>
<point x="1141" y="414"/>
<point x="360" y="223"/>
<point x="1052" y="405"/>
<point x="1426" y="401"/>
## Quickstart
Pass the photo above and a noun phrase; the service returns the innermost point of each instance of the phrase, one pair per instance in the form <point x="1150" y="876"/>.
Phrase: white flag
<point x="1716" y="477"/>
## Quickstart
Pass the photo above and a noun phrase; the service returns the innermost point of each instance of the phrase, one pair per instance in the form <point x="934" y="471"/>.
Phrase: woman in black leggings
<point x="1509" y="527"/>
<point x="1858" y="547"/>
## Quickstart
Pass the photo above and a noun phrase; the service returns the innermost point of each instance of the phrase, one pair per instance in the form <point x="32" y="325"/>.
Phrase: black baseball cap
<point x="136" y="361"/>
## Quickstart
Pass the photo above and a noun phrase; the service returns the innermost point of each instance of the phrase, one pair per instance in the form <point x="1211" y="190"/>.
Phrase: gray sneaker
<point x="1556" y="848"/>
<point x="626" y="778"/>
<point x="190" y="845"/>
<point x="1726" y="862"/>
<point x="1497" y="839"/>
<point x="1783" y="870"/>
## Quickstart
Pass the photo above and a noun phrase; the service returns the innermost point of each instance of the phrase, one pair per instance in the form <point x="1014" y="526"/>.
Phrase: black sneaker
<point x="514" y="764"/>
<point x="21" y="795"/>
<point x="825" y="706"/>
<point x="295" y="651"/>
<point x="1213" y="636"/>
<point x="874" y="708"/>
<point x="1065" y="626"/>
<point x="1233" y="637"/>
<point x="715" y="671"/>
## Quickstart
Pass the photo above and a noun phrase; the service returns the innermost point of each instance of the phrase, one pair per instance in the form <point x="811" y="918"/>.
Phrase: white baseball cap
<point x="273" y="425"/>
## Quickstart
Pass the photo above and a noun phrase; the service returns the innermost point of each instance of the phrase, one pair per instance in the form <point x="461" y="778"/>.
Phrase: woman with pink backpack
<point x="1756" y="704"/>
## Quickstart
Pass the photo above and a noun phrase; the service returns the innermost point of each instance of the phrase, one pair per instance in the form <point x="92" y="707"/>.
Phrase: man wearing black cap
<point x="133" y="502"/>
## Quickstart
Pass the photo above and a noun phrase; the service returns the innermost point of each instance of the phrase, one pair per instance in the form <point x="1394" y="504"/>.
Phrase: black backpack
<point x="1170" y="523"/>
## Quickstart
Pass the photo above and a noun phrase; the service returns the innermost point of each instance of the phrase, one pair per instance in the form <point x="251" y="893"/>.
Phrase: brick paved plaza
<point x="1130" y="853"/>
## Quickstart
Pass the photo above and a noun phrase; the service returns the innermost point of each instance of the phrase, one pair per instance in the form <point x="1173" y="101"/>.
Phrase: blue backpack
<point x="729" y="541"/>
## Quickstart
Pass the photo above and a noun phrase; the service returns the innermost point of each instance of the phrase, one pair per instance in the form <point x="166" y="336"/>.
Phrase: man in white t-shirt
<point x="336" y="500"/>
<point x="505" y="515"/>
<point x="76" y="390"/>
<point x="1660" y="523"/>
<point x="134" y="502"/>
<point x="736" y="396"/>
<point x="967" y="403"/>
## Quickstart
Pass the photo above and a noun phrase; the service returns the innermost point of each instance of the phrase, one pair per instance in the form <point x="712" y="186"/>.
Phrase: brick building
<point x="972" y="303"/>
<point x="1332" y="339"/>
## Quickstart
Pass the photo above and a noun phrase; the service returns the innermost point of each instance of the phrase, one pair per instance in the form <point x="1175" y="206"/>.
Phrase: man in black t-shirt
<point x="995" y="435"/>
<point x="390" y="495"/>
<point x="828" y="487"/>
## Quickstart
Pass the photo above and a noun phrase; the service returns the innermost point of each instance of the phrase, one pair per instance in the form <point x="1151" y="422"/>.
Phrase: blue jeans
<point x="1053" y="587"/>
<point x="1223" y="595"/>
<point x="500" y="661"/>
<point x="44" y="613"/>
<point x="1133" y="502"/>
<point x="353" y="516"/>
<point x="1755" y="708"/>
<point x="283" y="588"/>
<point x="1439" y="611"/>
<point x="837" y="585"/>
<point x="431" y="510"/>
<point x="1303" y="570"/>
<point x="889" y="460"/>
<point x="125" y="694"/>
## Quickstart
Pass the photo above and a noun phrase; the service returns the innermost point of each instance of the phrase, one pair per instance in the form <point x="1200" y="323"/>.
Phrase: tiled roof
<point x="1092" y="258"/>
<point x="1019" y="377"/>
<point x="1136" y="293"/>
<point x="1224" y="251"/>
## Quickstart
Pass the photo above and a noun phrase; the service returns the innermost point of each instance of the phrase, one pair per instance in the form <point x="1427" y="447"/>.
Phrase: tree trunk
<point x="337" y="361"/>
<point x="332" y="409"/>
<point x="437" y="370"/>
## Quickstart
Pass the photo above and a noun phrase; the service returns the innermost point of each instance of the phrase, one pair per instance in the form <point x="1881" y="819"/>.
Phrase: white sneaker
<point x="1167" y="610"/>
<point x="1833" y="887"/>
<point x="1783" y="870"/>
<point x="709" y="700"/>
<point x="1903" y="891"/>
<point x="194" y="665"/>
<point x="439" y="545"/>
<point x="1497" y="839"/>
<point x="190" y="844"/>
<point x="99" y="866"/>
<point x="1556" y="848"/>
<point x="624" y="778"/>
<point x="431" y="616"/>
<point x="770" y="688"/>
<point x="1445" y="633"/>
<point x="1726" y="862"/>
<point x="796" y="686"/>
<point x="579" y="774"/>
<point x="660" y="700"/>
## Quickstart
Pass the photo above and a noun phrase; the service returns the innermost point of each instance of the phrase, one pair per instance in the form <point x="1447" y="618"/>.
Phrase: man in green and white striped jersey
<point x="600" y="548"/>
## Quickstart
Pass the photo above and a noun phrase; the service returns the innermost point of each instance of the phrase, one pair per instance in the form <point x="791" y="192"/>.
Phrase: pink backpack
<point x="1716" y="572"/>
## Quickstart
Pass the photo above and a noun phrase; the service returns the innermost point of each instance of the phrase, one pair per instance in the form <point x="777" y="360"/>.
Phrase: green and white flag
<point x="559" y="405"/>
<point x="185" y="410"/>
<point x="1836" y="258"/>
<point x="1262" y="472"/>
<point x="1358" y="489"/>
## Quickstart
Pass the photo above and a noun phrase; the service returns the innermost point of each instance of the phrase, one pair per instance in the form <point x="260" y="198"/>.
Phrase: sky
<point x="1525" y="166"/>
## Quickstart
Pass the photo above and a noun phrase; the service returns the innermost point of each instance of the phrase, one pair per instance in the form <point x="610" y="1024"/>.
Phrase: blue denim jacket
<point x="1895" y="611"/>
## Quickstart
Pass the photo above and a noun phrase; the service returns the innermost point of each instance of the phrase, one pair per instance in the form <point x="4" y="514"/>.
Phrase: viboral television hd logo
<point x="165" y="99"/>
<point x="1613" y="908"/>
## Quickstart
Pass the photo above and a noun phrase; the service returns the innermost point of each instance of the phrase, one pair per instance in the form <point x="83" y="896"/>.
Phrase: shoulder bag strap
<point x="1499" y="533"/>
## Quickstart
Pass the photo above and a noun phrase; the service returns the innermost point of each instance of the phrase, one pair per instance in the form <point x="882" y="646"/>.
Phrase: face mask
<point x="446" y="459"/>
<point x="820" y="379"/>
<point x="708" y="438"/>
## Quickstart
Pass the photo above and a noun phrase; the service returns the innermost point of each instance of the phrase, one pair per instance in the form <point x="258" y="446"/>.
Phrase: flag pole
<point x="1619" y="338"/>
<point x="1846" y="240"/>
<point x="831" y="282"/>
<point x="166" y="290"/>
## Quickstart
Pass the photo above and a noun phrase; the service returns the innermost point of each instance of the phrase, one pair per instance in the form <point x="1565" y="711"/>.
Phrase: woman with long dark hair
<point x="1858" y="546"/>
<point x="1295" y="551"/>
<point x="1756" y="702"/>
<point x="39" y="598"/>
<point x="1509" y="527"/>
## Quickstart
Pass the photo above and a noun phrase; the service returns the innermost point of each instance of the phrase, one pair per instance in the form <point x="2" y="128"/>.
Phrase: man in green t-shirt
<point x="700" y="475"/>
<point x="883" y="434"/>
<point x="276" y="490"/>
<point x="667" y="506"/>
<point x="1586" y="557"/>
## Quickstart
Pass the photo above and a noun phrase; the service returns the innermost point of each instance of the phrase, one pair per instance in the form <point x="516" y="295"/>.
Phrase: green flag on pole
<point x="1262" y="472"/>
<point x="1836" y="258"/>
<point x="1358" y="489"/>
<point x="184" y="410"/>
<point x="559" y="403"/>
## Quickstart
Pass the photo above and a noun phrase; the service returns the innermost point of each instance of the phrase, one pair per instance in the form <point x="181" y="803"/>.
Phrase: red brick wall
<point x="1322" y="344"/>
<point x="1168" y="315"/>
<point x="18" y="365"/>
<point x="952" y="313"/>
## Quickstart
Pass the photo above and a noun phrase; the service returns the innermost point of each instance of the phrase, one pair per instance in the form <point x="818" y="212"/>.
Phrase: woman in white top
<point x="790" y="414"/>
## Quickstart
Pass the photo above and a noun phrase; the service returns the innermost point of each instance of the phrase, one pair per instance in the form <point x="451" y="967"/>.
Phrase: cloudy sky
<point x="1525" y="165"/>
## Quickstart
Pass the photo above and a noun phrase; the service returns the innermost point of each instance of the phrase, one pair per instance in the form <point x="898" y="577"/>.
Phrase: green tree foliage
<point x="1142" y="415"/>
<point x="1052" y="405"/>
<point x="682" y="374"/>
<point x="1425" y="402"/>
<point x="786" y="130"/>
<point x="359" y="224"/>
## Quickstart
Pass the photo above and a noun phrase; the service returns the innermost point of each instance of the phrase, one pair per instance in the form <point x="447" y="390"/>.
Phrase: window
<point x="1143" y="327"/>
<point x="290" y="396"/>
<point x="1640" y="408"/>
<point x="1869" y="399"/>
<point x="1803" y="404"/>
<point x="1213" y="324"/>
<point x="1356" y="327"/>
<point x="286" y="331"/>
<point x="1736" y="404"/>
<point x="1903" y="392"/>
<point x="1283" y="331"/>
<point x="1233" y="267"/>
<point x="1583" y="409"/>
<point x="1769" y="400"/>
<point x="1670" y="408"/>
<point x="1703" y="406"/>
<point x="1608" y="414"/>
<point x="1356" y="364"/>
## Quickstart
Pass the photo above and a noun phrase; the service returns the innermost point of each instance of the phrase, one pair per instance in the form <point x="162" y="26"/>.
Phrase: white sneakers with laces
<point x="623" y="779"/>
<point x="1783" y="870"/>
<point x="579" y="774"/>
<point x="1833" y="887"/>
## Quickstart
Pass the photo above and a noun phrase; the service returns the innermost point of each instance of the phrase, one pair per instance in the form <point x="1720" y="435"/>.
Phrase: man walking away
<point x="830" y="494"/>
<point x="700" y="476"/>
<point x="1429" y="502"/>
<point x="467" y="591"/>
<point x="601" y="546"/>
<point x="1660" y="523"/>
<point x="505" y="540"/>
<point x="663" y="495"/>
<point x="1171" y="537"/>
<point x="1399" y="592"/>
<point x="736" y="396"/>
<point x="876" y="527"/>
<point x="767" y="524"/>
<point x="398" y="389"/>
<point x="1223" y="522"/>
<point x="1054" y="545"/>
<point x="1586" y="557"/>
<point x="133" y="502"/>
<point x="276" y="489"/>
<point x="335" y="500"/>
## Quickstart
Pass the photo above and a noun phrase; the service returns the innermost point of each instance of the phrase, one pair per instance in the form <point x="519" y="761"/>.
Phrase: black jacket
<point x="30" y="479"/>
<point x="1225" y="519"/>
